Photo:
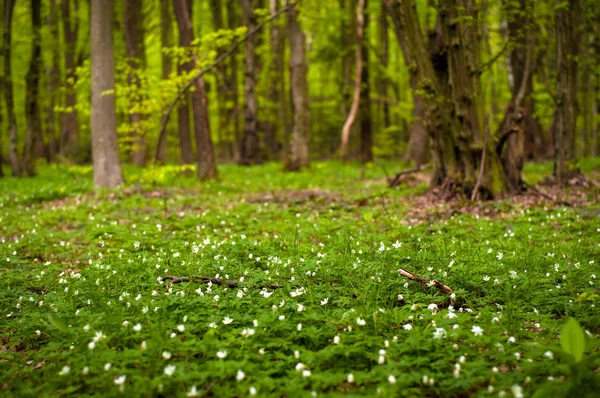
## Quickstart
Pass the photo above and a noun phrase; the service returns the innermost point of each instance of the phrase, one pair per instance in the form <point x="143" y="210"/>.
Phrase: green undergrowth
<point x="319" y="308"/>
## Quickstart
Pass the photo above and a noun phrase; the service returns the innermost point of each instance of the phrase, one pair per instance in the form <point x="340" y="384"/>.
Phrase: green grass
<point x="82" y="266"/>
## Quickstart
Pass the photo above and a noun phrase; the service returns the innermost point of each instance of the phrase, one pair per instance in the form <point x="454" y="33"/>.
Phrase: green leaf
<point x="572" y="340"/>
<point x="368" y="216"/>
<point x="58" y="323"/>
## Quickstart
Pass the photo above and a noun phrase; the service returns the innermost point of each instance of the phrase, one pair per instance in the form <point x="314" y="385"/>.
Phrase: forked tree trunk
<point x="250" y="149"/>
<point x="13" y="155"/>
<point x="455" y="122"/>
<point x="133" y="24"/>
<point x="70" y="123"/>
<point x="166" y="41"/>
<point x="204" y="147"/>
<point x="565" y="110"/>
<point x="299" y="155"/>
<point x="32" y="107"/>
<point x="105" y="149"/>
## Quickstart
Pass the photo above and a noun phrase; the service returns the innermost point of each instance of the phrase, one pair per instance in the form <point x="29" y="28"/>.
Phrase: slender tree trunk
<point x="185" y="135"/>
<point x="54" y="73"/>
<point x="565" y="111"/>
<point x="347" y="128"/>
<point x="382" y="86"/>
<point x="32" y="107"/>
<point x="70" y="124"/>
<point x="105" y="149"/>
<point x="133" y="26"/>
<point x="166" y="41"/>
<point x="250" y="149"/>
<point x="204" y="147"/>
<point x="13" y="155"/>
<point x="221" y="83"/>
<point x="299" y="155"/>
<point x="366" y="128"/>
<point x="232" y="83"/>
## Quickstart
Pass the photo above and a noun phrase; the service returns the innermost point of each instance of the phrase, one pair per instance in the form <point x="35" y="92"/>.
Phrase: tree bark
<point x="133" y="27"/>
<point x="250" y="150"/>
<point x="347" y="128"/>
<point x="32" y="107"/>
<point x="13" y="155"/>
<point x="232" y="83"/>
<point x="382" y="86"/>
<point x="565" y="111"/>
<point x="166" y="41"/>
<point x="185" y="135"/>
<point x="70" y="124"/>
<point x="366" y="128"/>
<point x="221" y="83"/>
<point x="105" y="149"/>
<point x="299" y="155"/>
<point x="204" y="147"/>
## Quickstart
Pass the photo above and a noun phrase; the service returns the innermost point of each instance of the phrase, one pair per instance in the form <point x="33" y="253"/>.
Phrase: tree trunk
<point x="53" y="73"/>
<point x="347" y="128"/>
<point x="13" y="155"/>
<point x="565" y="111"/>
<point x="465" y="160"/>
<point x="32" y="107"/>
<point x="232" y="83"/>
<point x="299" y="155"/>
<point x="133" y="26"/>
<point x="185" y="135"/>
<point x="105" y="149"/>
<point x="250" y="149"/>
<point x="382" y="86"/>
<point x="70" y="123"/>
<point x="220" y="78"/>
<point x="366" y="129"/>
<point x="204" y="147"/>
<point x="166" y="41"/>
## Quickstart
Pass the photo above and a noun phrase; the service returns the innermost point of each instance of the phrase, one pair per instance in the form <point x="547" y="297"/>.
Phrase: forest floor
<point x="94" y="297"/>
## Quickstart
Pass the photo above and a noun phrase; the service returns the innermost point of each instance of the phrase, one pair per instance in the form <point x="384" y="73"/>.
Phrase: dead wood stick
<point x="443" y="287"/>
<point x="396" y="180"/>
<point x="216" y="281"/>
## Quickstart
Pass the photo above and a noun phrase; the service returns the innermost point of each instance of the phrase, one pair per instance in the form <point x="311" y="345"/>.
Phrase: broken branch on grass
<point x="431" y="282"/>
<point x="215" y="281"/>
<point x="396" y="180"/>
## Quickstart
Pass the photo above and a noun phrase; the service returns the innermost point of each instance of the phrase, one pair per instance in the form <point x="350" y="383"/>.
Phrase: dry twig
<point x="396" y="180"/>
<point x="432" y="282"/>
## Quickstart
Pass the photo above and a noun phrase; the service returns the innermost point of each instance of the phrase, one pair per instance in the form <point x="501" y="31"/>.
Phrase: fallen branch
<point x="165" y="117"/>
<point x="215" y="281"/>
<point x="396" y="180"/>
<point x="431" y="282"/>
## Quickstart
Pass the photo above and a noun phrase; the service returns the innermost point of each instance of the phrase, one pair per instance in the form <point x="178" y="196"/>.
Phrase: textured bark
<point x="133" y="27"/>
<point x="53" y="73"/>
<point x="105" y="149"/>
<point x="354" y="108"/>
<point x="13" y="155"/>
<point x="204" y="147"/>
<point x="382" y="81"/>
<point x="184" y="130"/>
<point x="454" y="117"/>
<point x="250" y="148"/>
<point x="70" y="123"/>
<point x="366" y="128"/>
<point x="166" y="41"/>
<point x="299" y="155"/>
<point x="221" y="85"/>
<point x="565" y="111"/>
<point x="32" y="106"/>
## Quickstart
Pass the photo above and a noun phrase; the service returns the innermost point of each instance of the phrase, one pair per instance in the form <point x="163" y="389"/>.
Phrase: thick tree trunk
<point x="70" y="124"/>
<point x="53" y="75"/>
<point x="105" y="149"/>
<point x="366" y="128"/>
<point x="250" y="150"/>
<point x="299" y="155"/>
<point x="133" y="26"/>
<point x="13" y="155"/>
<point x="184" y="130"/>
<point x="565" y="111"/>
<point x="204" y="147"/>
<point x="455" y="121"/>
<point x="166" y="41"/>
<point x="32" y="107"/>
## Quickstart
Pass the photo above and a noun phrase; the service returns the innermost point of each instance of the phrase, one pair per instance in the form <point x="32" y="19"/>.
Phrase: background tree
<point x="105" y="150"/>
<point x="13" y="156"/>
<point x="70" y="123"/>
